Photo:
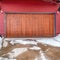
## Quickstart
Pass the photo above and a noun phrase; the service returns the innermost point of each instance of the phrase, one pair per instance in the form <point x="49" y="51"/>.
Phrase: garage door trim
<point x="5" y="14"/>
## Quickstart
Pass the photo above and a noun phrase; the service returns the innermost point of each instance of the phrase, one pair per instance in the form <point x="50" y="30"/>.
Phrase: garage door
<point x="29" y="25"/>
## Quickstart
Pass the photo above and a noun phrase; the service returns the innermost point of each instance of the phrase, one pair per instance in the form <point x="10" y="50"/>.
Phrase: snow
<point x="23" y="42"/>
<point x="5" y="43"/>
<point x="42" y="55"/>
<point x="0" y="42"/>
<point x="1" y="58"/>
<point x="49" y="41"/>
<point x="57" y="38"/>
<point x="36" y="58"/>
<point x="47" y="50"/>
<point x="54" y="41"/>
<point x="35" y="48"/>
<point x="15" y="52"/>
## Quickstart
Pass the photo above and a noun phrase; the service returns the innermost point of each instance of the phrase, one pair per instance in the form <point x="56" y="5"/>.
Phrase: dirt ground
<point x="51" y="53"/>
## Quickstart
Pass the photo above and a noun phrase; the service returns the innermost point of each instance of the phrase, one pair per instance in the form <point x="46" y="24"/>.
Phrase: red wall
<point x="28" y="6"/>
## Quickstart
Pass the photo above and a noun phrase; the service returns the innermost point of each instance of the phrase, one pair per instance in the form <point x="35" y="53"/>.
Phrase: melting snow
<point x="57" y="38"/>
<point x="35" y="48"/>
<point x="55" y="41"/>
<point x="15" y="52"/>
<point x="49" y="41"/>
<point x="36" y="58"/>
<point x="23" y="42"/>
<point x="5" y="43"/>
<point x="42" y="55"/>
<point x="1" y="58"/>
<point x="1" y="42"/>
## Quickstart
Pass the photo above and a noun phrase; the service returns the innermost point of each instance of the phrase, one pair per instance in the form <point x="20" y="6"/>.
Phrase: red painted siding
<point x="28" y="6"/>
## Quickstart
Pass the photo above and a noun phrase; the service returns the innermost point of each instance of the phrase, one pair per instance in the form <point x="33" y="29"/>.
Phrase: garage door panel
<point x="29" y="25"/>
<point x="51" y="25"/>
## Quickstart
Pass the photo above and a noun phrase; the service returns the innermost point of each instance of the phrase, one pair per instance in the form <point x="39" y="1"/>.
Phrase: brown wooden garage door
<point x="29" y="25"/>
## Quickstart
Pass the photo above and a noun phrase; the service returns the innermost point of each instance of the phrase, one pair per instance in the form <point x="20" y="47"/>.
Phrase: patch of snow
<point x="1" y="42"/>
<point x="0" y="46"/>
<point x="12" y="42"/>
<point x="5" y="43"/>
<point x="15" y="52"/>
<point x="47" y="50"/>
<point x="1" y="58"/>
<point x="46" y="38"/>
<point x="23" y="42"/>
<point x="49" y="41"/>
<point x="46" y="41"/>
<point x="35" y="48"/>
<point x="36" y="58"/>
<point x="42" y="55"/>
<point x="57" y="38"/>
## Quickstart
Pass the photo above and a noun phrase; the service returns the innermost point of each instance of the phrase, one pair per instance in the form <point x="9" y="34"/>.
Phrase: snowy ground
<point x="27" y="49"/>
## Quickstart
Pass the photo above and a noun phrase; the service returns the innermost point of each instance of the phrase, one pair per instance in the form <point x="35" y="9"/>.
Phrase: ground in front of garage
<point x="28" y="50"/>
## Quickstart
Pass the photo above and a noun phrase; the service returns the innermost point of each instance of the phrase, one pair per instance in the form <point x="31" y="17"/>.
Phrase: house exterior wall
<point x="28" y="6"/>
